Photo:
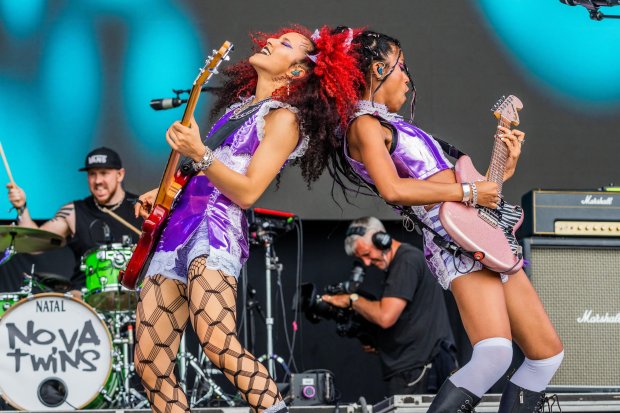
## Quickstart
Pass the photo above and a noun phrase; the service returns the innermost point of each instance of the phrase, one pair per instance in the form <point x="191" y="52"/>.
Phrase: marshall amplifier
<point x="571" y="213"/>
<point x="578" y="281"/>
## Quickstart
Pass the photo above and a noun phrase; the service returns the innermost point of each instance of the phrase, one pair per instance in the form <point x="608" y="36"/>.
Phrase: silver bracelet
<point x="474" y="195"/>
<point x="466" y="192"/>
<point x="205" y="162"/>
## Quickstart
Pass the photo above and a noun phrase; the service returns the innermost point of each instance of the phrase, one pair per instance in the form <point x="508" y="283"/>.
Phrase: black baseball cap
<point x="102" y="158"/>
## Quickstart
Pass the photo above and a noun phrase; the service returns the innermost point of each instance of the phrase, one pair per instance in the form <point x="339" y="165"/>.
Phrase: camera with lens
<point x="348" y="322"/>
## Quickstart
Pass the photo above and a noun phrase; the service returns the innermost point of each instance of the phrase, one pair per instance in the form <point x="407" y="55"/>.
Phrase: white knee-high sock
<point x="489" y="361"/>
<point x="535" y="375"/>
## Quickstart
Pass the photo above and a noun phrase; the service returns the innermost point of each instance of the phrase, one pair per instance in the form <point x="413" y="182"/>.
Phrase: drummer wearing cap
<point x="86" y="223"/>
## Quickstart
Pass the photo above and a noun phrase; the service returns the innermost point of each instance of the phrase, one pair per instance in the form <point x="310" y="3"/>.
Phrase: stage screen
<point x="76" y="75"/>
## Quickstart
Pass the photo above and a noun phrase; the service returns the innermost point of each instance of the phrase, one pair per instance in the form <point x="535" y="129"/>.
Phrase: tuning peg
<point x="227" y="58"/>
<point x="215" y="71"/>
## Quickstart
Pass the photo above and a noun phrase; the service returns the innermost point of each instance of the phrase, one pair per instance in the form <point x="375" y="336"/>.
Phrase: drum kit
<point x="59" y="351"/>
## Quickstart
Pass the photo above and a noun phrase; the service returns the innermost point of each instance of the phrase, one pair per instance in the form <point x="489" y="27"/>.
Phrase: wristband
<point x="466" y="192"/>
<point x="474" y="195"/>
<point x="205" y="162"/>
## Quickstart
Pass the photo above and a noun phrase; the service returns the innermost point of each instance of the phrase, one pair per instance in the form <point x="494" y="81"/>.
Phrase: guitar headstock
<point x="507" y="108"/>
<point x="212" y="63"/>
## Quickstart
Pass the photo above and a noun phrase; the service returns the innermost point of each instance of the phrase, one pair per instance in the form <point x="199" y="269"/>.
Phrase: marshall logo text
<point x="589" y="318"/>
<point x="596" y="200"/>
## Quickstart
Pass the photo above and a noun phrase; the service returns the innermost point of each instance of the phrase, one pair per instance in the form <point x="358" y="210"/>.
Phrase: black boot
<point x="516" y="399"/>
<point x="452" y="399"/>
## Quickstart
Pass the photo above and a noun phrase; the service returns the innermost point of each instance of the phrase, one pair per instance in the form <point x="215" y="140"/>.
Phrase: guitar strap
<point x="449" y="149"/>
<point x="217" y="139"/>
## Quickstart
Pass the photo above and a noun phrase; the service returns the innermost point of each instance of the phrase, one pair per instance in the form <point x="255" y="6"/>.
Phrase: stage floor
<point x="569" y="402"/>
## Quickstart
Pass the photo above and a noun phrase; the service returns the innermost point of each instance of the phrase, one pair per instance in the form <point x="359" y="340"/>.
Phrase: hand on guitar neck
<point x="513" y="138"/>
<point x="186" y="139"/>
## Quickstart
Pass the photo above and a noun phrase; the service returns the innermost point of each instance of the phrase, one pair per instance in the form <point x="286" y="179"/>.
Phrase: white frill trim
<point x="164" y="263"/>
<point x="220" y="259"/>
<point x="366" y="107"/>
<point x="260" y="126"/>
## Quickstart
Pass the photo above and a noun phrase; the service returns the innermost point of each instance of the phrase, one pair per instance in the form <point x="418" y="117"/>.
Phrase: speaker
<point x="578" y="281"/>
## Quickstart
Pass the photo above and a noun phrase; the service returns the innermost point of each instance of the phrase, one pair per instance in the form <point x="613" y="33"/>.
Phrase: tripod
<point x="265" y="236"/>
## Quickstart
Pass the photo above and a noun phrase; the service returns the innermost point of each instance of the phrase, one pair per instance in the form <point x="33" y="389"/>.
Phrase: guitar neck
<point x="173" y="160"/>
<point x="499" y="156"/>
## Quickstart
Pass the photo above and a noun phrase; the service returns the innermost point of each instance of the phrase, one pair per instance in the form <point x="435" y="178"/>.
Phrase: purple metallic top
<point x="417" y="154"/>
<point x="204" y="221"/>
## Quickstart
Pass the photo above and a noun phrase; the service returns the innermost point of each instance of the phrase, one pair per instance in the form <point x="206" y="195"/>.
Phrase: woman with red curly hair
<point x="283" y="104"/>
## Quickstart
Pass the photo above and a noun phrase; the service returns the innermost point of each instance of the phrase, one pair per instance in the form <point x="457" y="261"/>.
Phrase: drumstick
<point x="6" y="165"/>
<point x="122" y="221"/>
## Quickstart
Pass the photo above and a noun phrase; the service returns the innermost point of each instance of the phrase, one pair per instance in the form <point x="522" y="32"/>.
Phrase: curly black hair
<point x="369" y="47"/>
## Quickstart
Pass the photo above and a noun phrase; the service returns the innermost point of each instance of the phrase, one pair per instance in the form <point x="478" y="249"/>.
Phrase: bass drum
<point x="55" y="354"/>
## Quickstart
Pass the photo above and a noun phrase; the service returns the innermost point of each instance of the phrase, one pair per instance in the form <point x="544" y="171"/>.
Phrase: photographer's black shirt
<point x="413" y="341"/>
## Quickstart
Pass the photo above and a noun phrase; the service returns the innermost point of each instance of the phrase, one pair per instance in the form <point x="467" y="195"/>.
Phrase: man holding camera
<point x="414" y="342"/>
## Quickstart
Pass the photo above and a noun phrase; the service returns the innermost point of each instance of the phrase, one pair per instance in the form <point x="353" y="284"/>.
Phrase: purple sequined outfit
<point x="417" y="155"/>
<point x="204" y="221"/>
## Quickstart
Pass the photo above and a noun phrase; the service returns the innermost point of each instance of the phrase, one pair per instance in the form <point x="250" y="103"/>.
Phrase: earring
<point x="296" y="72"/>
<point x="288" y="87"/>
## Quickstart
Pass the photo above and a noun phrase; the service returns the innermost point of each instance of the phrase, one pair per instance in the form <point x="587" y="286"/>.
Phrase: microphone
<point x="168" y="103"/>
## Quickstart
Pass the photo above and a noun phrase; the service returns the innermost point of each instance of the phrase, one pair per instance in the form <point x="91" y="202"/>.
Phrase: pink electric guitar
<point x="488" y="233"/>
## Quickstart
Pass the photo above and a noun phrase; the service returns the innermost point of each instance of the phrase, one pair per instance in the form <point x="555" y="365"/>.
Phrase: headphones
<point x="382" y="240"/>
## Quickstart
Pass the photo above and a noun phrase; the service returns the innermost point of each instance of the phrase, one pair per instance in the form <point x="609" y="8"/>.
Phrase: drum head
<point x="55" y="353"/>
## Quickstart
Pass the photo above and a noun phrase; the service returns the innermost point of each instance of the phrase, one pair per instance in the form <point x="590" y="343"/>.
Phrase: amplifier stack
<point x="571" y="241"/>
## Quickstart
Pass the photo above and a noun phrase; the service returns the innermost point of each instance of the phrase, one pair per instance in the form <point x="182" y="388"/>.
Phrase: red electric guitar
<point x="172" y="182"/>
<point x="489" y="233"/>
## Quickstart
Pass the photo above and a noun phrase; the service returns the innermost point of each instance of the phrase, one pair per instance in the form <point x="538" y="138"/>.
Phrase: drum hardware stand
<point x="185" y="359"/>
<point x="10" y="250"/>
<point x="127" y="396"/>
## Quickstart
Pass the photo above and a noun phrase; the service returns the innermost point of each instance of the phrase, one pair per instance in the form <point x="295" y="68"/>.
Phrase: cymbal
<point x="54" y="282"/>
<point x="29" y="239"/>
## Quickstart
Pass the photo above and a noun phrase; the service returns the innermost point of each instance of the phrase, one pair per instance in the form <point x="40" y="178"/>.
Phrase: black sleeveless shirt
<point x="91" y="231"/>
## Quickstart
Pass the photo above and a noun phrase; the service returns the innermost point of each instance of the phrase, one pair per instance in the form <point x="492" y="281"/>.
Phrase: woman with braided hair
<point x="283" y="104"/>
<point x="406" y="166"/>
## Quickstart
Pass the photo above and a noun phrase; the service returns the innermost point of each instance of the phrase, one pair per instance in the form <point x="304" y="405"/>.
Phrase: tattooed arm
<point x="63" y="223"/>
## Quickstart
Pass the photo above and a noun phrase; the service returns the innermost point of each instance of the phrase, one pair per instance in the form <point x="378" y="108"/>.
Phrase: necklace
<point x="247" y="108"/>
<point x="367" y="107"/>
<point x="104" y="208"/>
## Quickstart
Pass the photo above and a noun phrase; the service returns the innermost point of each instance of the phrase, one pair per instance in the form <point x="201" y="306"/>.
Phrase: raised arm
<point x="281" y="138"/>
<point x="62" y="224"/>
<point x="366" y="140"/>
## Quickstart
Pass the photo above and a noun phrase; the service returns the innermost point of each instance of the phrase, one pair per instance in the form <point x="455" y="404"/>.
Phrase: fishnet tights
<point x="161" y="317"/>
<point x="212" y="304"/>
<point x="163" y="312"/>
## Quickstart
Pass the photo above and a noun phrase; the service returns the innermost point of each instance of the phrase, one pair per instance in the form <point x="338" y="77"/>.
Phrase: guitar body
<point x="483" y="229"/>
<point x="151" y="231"/>
<point x="172" y="182"/>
